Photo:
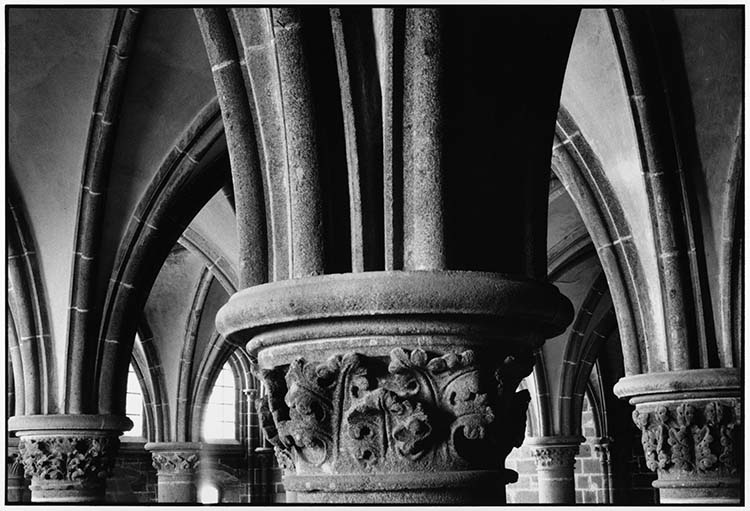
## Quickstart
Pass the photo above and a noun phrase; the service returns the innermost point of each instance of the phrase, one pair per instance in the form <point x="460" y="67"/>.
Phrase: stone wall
<point x="133" y="477"/>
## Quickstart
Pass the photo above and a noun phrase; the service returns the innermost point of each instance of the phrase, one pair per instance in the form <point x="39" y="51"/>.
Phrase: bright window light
<point x="219" y="415"/>
<point x="134" y="404"/>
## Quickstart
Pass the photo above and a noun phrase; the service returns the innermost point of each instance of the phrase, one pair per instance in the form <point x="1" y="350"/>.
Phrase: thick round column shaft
<point x="555" y="463"/>
<point x="691" y="432"/>
<point x="68" y="457"/>
<point x="175" y="464"/>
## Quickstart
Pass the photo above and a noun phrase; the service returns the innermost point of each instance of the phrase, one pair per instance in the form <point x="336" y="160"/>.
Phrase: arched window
<point x="134" y="404"/>
<point x="219" y="417"/>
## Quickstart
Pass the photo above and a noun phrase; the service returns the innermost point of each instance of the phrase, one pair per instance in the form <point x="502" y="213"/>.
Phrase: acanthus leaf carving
<point x="175" y="462"/>
<point x="385" y="413"/>
<point x="555" y="455"/>
<point x="690" y="437"/>
<point x="411" y="429"/>
<point x="60" y="458"/>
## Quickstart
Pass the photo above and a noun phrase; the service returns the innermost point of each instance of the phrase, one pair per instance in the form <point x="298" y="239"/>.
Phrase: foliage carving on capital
<point x="388" y="413"/>
<point x="174" y="462"/>
<point x="59" y="458"/>
<point x="555" y="455"/>
<point x="691" y="437"/>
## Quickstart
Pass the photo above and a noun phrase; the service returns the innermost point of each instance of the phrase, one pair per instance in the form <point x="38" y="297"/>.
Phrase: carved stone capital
<point x="691" y="433"/>
<point x="691" y="436"/>
<point x="388" y="387"/>
<point x="358" y="413"/>
<point x="602" y="449"/>
<point x="551" y="452"/>
<point x="550" y="456"/>
<point x="174" y="458"/>
<point x="68" y="457"/>
<point x="86" y="460"/>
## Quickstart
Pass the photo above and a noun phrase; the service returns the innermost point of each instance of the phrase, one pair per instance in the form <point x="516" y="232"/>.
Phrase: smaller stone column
<point x="175" y="464"/>
<point x="601" y="448"/>
<point x="68" y="457"/>
<point x="252" y="427"/>
<point x="17" y="486"/>
<point x="262" y="476"/>
<point x="555" y="462"/>
<point x="251" y="440"/>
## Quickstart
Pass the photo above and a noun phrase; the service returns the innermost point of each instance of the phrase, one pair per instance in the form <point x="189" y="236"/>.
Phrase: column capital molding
<point x="538" y="305"/>
<point x="555" y="441"/>
<point x="25" y="425"/>
<point x="692" y="383"/>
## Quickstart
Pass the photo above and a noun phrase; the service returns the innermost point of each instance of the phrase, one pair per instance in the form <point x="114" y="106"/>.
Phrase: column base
<point x="691" y="432"/>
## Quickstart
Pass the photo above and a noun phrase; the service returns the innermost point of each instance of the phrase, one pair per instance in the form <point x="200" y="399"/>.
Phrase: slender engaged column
<point x="252" y="426"/>
<point x="555" y="463"/>
<point x="395" y="387"/>
<point x="601" y="448"/>
<point x="68" y="457"/>
<point x="691" y="431"/>
<point x="261" y="479"/>
<point x="175" y="464"/>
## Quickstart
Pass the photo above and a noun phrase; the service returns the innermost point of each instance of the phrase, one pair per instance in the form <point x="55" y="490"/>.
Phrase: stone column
<point x="691" y="431"/>
<point x="175" y="464"/>
<point x="602" y="451"/>
<point x="17" y="489"/>
<point x="395" y="387"/>
<point x="252" y="436"/>
<point x="68" y="457"/>
<point x="555" y="463"/>
<point x="261" y="477"/>
<point x="252" y="440"/>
